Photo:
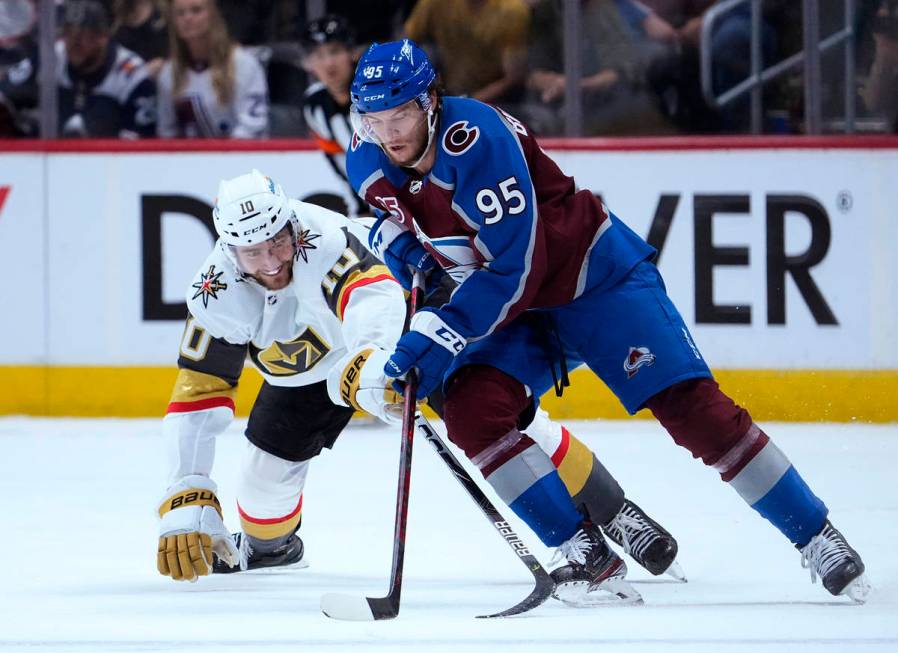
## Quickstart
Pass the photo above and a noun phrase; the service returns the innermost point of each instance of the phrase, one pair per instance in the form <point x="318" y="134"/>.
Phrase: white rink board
<point x="89" y="264"/>
<point x="857" y="276"/>
<point x="23" y="260"/>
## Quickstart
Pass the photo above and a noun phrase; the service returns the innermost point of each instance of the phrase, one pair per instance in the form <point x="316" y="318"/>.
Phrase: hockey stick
<point x="366" y="608"/>
<point x="544" y="583"/>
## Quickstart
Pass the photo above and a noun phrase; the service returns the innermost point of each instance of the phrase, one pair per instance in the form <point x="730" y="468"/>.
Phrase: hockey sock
<point x="770" y="484"/>
<point x="267" y="534"/>
<point x="594" y="491"/>
<point x="712" y="427"/>
<point x="527" y="481"/>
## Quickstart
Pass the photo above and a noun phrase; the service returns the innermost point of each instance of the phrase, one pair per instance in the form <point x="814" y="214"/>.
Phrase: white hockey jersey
<point x="341" y="298"/>
<point x="196" y="113"/>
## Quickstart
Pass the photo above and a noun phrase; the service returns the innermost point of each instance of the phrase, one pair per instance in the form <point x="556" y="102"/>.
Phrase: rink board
<point x="779" y="258"/>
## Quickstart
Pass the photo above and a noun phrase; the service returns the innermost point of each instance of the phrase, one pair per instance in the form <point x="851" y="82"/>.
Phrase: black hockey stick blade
<point x="540" y="594"/>
<point x="544" y="583"/>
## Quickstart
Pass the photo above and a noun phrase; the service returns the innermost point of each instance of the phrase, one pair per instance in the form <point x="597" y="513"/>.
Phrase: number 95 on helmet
<point x="388" y="76"/>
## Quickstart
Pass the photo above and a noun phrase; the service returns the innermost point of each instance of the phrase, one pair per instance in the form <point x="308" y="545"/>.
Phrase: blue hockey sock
<point x="772" y="486"/>
<point x="530" y="485"/>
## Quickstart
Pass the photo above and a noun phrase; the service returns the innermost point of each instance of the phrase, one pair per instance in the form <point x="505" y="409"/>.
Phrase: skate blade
<point x="858" y="590"/>
<point x="611" y="592"/>
<point x="675" y="571"/>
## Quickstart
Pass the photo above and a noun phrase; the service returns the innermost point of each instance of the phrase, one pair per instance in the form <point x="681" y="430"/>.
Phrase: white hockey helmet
<point x="250" y="209"/>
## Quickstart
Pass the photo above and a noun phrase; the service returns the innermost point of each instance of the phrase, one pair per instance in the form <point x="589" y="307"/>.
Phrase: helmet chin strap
<point x="431" y="126"/>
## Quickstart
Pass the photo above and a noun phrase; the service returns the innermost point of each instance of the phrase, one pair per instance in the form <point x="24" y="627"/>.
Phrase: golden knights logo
<point x="288" y="358"/>
<point x="209" y="285"/>
<point x="304" y="242"/>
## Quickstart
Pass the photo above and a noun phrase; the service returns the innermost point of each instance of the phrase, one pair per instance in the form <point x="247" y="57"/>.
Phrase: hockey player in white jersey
<point x="288" y="285"/>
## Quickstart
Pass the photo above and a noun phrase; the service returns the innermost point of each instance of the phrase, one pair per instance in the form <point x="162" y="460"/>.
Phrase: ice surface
<point x="79" y="540"/>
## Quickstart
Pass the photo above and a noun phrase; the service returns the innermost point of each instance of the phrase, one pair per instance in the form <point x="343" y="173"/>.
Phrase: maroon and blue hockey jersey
<point x="499" y="215"/>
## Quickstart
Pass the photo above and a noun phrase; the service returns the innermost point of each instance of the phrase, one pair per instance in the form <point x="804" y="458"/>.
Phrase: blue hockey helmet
<point x="391" y="74"/>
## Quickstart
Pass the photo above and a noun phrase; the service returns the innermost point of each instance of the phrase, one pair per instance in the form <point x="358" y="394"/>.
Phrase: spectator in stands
<point x="880" y="92"/>
<point x="104" y="89"/>
<point x="730" y="54"/>
<point x="683" y="99"/>
<point x="17" y="20"/>
<point x="480" y="45"/>
<point x="329" y="54"/>
<point x="18" y="54"/>
<point x="210" y="87"/>
<point x="614" y="84"/>
<point x="140" y="27"/>
<point x="684" y="16"/>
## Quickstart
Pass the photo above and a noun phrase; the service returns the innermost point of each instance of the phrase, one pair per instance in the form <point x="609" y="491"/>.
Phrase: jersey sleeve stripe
<point x="374" y="275"/>
<point x="200" y="404"/>
<point x="365" y="185"/>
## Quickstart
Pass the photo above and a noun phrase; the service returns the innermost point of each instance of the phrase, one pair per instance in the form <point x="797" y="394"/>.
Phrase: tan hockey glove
<point x="358" y="380"/>
<point x="191" y="530"/>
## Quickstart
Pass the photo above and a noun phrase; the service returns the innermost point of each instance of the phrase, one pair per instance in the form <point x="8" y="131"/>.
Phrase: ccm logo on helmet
<point x="458" y="139"/>
<point x="255" y="229"/>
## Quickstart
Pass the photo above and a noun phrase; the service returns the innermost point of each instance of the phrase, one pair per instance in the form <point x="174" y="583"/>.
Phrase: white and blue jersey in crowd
<point x="545" y="272"/>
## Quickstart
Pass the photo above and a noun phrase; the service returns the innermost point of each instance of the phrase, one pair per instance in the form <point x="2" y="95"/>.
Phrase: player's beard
<point x="278" y="281"/>
<point x="418" y="153"/>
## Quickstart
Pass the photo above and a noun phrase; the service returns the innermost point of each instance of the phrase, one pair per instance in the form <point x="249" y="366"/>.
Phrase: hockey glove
<point x="406" y="253"/>
<point x="358" y="380"/>
<point x="430" y="345"/>
<point x="191" y="530"/>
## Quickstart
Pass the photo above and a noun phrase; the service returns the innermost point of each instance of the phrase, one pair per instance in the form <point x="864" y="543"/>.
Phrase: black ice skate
<point x="645" y="540"/>
<point x="594" y="574"/>
<point x="289" y="553"/>
<point x="839" y="566"/>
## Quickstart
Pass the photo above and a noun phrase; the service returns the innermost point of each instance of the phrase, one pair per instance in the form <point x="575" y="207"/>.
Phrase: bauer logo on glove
<point x="201" y="497"/>
<point x="191" y="531"/>
<point x="358" y="381"/>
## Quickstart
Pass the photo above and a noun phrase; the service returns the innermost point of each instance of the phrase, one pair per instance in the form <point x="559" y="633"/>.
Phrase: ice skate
<point x="288" y="554"/>
<point x="839" y="566"/>
<point x="594" y="574"/>
<point x="644" y="540"/>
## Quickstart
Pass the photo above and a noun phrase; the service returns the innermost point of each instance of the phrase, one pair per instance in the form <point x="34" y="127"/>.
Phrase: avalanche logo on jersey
<point x="304" y="242"/>
<point x="355" y="142"/>
<point x="458" y="139"/>
<point x="209" y="285"/>
<point x="637" y="357"/>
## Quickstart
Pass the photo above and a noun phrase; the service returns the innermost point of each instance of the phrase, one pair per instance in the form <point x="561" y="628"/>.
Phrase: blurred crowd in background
<point x="248" y="68"/>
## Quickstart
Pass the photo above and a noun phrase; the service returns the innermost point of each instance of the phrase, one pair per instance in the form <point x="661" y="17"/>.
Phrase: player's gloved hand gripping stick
<point x="341" y="606"/>
<point x="359" y="608"/>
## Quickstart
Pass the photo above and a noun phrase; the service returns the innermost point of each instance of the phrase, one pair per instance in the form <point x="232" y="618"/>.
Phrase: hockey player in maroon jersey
<point x="465" y="187"/>
<point x="289" y="285"/>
